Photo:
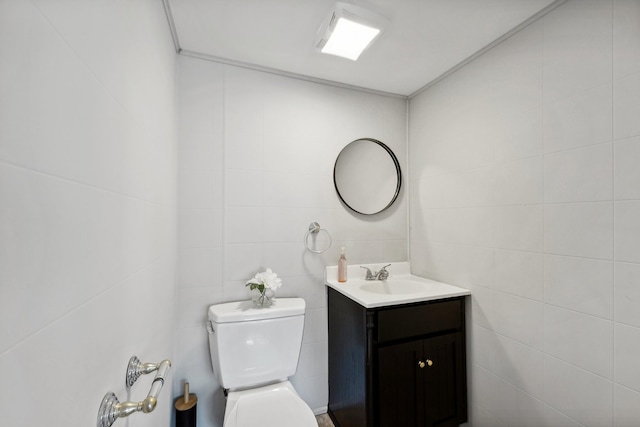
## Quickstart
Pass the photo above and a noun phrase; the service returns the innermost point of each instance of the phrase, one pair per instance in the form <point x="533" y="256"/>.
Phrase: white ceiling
<point x="424" y="38"/>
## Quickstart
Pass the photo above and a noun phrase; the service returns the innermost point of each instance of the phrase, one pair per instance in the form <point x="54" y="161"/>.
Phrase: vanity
<point x="396" y="350"/>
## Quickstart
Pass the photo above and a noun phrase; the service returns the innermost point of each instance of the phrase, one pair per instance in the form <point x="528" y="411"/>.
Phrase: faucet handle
<point x="383" y="274"/>
<point x="370" y="275"/>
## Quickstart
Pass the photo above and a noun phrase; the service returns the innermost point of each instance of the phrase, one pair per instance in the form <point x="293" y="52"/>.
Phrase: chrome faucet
<point x="369" y="275"/>
<point x="383" y="274"/>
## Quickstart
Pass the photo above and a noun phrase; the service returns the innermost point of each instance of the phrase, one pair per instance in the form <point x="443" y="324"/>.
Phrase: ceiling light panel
<point x="348" y="30"/>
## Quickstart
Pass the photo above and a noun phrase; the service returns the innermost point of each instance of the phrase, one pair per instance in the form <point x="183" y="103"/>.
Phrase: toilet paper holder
<point x="111" y="408"/>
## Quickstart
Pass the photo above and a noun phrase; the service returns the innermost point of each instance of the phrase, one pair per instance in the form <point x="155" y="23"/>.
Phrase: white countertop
<point x="401" y="288"/>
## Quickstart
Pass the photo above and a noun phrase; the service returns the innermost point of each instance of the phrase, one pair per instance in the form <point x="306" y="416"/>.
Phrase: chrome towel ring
<point x="314" y="232"/>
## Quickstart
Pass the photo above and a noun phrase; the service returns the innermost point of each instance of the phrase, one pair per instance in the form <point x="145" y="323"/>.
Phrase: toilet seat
<point x="276" y="405"/>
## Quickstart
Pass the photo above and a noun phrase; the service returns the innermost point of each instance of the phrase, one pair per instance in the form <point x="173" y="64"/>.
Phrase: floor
<point x="324" y="421"/>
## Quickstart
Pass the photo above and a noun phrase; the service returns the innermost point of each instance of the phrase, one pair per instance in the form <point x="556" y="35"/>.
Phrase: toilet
<point x="253" y="353"/>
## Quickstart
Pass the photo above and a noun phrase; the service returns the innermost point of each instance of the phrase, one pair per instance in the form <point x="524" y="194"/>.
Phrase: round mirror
<point x="367" y="176"/>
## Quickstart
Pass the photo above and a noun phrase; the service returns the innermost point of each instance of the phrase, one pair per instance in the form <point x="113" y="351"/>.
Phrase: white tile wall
<point x="580" y="284"/>
<point x="519" y="227"/>
<point x="577" y="393"/>
<point x="519" y="365"/>
<point x="578" y="120"/>
<point x="520" y="319"/>
<point x="626" y="55"/>
<point x="570" y="336"/>
<point x="626" y="95"/>
<point x="580" y="229"/>
<point x="627" y="231"/>
<point x="627" y="345"/>
<point x="577" y="48"/>
<point x="477" y="266"/>
<point x="518" y="182"/>
<point x="520" y="273"/>
<point x="626" y="406"/>
<point x="256" y="162"/>
<point x="554" y="308"/>
<point x="87" y="205"/>
<point x="627" y="293"/>
<point x="579" y="175"/>
<point x="626" y="175"/>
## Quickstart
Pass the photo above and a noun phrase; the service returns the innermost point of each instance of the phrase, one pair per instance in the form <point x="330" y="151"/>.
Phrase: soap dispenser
<point x="342" y="266"/>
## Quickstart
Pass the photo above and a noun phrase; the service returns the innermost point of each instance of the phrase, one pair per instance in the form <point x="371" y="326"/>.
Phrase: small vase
<point x="264" y="298"/>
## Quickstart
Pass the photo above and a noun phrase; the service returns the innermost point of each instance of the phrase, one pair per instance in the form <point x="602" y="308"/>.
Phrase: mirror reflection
<point x="367" y="176"/>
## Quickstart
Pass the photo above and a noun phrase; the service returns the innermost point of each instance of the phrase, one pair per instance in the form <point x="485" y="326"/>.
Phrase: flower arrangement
<point x="263" y="285"/>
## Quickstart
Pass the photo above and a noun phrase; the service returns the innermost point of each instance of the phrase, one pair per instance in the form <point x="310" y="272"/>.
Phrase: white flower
<point x="267" y="279"/>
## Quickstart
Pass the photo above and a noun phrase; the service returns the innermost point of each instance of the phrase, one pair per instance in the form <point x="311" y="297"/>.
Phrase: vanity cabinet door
<point x="445" y="380"/>
<point x="421" y="383"/>
<point x="401" y="393"/>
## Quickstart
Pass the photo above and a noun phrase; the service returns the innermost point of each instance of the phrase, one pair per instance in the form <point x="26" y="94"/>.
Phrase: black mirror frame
<point x="398" y="174"/>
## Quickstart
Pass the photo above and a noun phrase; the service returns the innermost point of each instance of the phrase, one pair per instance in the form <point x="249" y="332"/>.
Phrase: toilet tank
<point x="251" y="346"/>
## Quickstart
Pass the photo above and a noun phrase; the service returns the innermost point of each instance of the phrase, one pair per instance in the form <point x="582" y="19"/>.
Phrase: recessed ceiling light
<point x="348" y="31"/>
<point x="349" y="39"/>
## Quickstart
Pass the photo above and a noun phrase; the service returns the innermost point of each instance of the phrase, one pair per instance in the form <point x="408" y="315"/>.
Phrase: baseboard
<point x="321" y="410"/>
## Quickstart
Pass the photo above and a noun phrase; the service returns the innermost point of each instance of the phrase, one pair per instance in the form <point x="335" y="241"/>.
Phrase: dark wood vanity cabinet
<point x="397" y="366"/>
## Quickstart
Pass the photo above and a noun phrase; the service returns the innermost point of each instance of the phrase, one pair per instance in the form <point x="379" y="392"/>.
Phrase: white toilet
<point x="253" y="352"/>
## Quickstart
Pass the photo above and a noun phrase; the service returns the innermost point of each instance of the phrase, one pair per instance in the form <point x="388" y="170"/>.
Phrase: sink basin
<point x="401" y="287"/>
<point x="394" y="287"/>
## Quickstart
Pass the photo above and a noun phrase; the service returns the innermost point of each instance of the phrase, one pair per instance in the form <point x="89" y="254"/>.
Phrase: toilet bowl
<point x="275" y="405"/>
<point x="253" y="353"/>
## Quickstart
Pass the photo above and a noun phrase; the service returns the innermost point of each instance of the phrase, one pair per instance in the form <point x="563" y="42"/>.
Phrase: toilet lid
<point x="276" y="408"/>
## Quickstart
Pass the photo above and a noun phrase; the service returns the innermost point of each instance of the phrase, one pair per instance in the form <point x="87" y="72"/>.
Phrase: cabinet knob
<point x="429" y="362"/>
<point x="421" y="364"/>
